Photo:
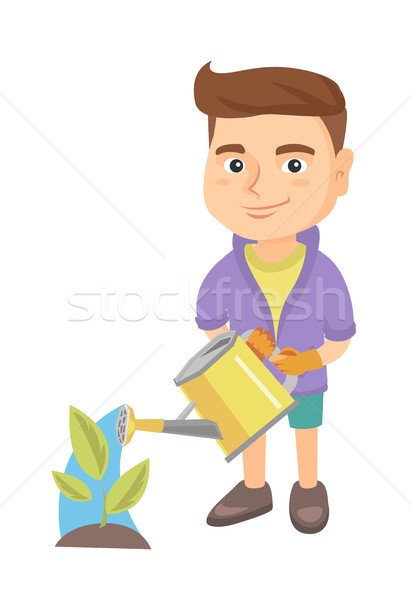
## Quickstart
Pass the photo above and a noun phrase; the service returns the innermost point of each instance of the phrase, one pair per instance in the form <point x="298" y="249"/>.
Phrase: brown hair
<point x="271" y="90"/>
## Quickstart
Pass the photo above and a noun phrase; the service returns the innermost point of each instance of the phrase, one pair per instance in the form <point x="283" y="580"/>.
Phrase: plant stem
<point x="104" y="518"/>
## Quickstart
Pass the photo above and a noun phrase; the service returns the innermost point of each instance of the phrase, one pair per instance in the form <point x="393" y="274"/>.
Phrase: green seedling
<point x="91" y="450"/>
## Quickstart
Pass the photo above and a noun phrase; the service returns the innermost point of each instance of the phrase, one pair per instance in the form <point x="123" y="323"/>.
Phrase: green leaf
<point x="72" y="487"/>
<point x="89" y="444"/>
<point x="128" y="489"/>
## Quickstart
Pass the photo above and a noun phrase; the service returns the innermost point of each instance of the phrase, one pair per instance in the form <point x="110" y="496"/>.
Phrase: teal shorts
<point x="308" y="413"/>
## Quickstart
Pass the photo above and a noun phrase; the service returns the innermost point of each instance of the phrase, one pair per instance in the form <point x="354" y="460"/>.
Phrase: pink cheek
<point x="300" y="182"/>
<point x="223" y="181"/>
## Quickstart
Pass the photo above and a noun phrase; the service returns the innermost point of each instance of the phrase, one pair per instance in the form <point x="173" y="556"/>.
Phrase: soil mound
<point x="109" y="536"/>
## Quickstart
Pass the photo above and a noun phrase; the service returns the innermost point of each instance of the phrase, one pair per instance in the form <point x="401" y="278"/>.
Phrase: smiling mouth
<point x="264" y="208"/>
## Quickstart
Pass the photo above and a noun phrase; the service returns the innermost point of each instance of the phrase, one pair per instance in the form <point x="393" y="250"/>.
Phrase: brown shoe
<point x="309" y="508"/>
<point x="240" y="504"/>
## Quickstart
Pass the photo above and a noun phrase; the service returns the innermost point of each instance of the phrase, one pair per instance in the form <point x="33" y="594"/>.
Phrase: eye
<point x="234" y="165"/>
<point x="294" y="165"/>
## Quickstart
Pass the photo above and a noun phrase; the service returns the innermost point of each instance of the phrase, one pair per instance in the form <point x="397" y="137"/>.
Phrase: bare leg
<point x="307" y="451"/>
<point x="254" y="463"/>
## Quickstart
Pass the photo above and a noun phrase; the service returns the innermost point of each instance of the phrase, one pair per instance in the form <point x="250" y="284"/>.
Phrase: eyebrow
<point x="231" y="148"/>
<point x="294" y="148"/>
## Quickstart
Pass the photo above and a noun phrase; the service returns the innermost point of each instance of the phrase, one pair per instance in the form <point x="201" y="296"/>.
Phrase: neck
<point x="272" y="251"/>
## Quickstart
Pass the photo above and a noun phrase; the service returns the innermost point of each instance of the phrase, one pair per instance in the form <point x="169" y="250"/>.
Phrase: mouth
<point x="264" y="216"/>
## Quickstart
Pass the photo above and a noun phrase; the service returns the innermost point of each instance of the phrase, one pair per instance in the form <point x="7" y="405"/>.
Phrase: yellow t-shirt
<point x="276" y="279"/>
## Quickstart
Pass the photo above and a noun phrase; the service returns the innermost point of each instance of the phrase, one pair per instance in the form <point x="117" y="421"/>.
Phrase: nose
<point x="253" y="180"/>
<point x="264" y="181"/>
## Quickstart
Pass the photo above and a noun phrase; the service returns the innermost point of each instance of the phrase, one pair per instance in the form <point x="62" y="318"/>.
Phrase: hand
<point x="293" y="362"/>
<point x="261" y="343"/>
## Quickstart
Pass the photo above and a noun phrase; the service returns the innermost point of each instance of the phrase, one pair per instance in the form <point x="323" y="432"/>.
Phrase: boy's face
<point x="271" y="176"/>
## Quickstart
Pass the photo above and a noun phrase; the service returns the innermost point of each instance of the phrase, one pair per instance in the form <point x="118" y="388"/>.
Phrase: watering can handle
<point x="291" y="380"/>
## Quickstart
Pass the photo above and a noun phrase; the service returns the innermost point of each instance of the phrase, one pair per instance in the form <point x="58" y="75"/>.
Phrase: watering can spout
<point x="127" y="424"/>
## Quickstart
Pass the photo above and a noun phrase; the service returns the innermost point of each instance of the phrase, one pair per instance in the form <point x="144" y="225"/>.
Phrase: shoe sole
<point x="224" y="522"/>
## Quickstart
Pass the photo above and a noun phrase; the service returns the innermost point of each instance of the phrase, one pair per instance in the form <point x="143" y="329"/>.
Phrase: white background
<point x="110" y="86"/>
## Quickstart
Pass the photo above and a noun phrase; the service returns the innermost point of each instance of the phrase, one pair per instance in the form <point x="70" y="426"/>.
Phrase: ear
<point x="343" y="163"/>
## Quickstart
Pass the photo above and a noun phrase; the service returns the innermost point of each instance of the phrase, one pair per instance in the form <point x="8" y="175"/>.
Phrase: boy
<point x="275" y="169"/>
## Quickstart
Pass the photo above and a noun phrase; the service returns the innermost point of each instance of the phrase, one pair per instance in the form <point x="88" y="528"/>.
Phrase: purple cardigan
<point x="318" y="306"/>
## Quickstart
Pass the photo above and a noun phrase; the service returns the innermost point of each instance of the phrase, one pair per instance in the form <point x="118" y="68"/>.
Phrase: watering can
<point x="236" y="396"/>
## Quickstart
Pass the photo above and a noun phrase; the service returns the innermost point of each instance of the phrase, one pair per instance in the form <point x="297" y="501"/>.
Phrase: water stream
<point x="76" y="514"/>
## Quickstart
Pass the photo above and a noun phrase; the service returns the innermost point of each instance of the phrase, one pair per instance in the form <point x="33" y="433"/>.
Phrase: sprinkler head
<point x="125" y="425"/>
